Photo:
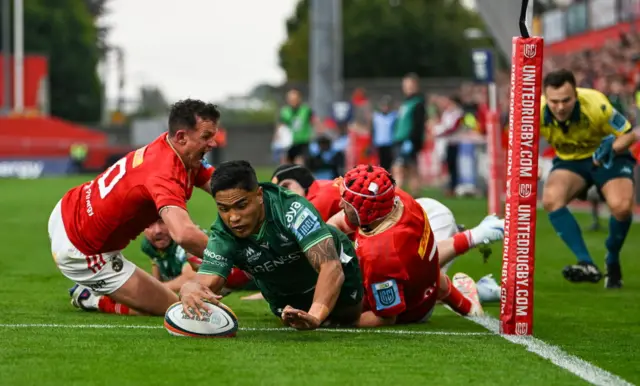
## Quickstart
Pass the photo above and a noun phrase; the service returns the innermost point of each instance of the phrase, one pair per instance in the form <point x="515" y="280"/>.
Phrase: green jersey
<point x="275" y="257"/>
<point x="169" y="261"/>
<point x="299" y="122"/>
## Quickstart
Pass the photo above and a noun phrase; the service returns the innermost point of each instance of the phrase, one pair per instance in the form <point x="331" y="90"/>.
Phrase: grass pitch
<point x="64" y="346"/>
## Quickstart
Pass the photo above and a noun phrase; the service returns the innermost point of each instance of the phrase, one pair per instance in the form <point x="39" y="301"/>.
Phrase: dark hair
<point x="298" y="173"/>
<point x="413" y="76"/>
<point x="234" y="175"/>
<point x="183" y="114"/>
<point x="558" y="78"/>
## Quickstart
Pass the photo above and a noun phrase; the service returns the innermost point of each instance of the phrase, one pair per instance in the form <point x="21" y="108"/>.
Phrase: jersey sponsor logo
<point x="305" y="223"/>
<point x="386" y="294"/>
<point x="292" y="211"/>
<point x="251" y="254"/>
<point x="210" y="257"/>
<point x="285" y="240"/>
<point x="273" y="264"/>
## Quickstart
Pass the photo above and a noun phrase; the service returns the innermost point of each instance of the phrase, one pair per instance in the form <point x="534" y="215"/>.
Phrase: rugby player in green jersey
<point x="306" y="270"/>
<point x="168" y="259"/>
<point x="173" y="266"/>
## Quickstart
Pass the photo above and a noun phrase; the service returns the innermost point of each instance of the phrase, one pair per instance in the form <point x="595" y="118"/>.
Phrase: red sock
<point x="237" y="279"/>
<point x="456" y="300"/>
<point x="109" y="306"/>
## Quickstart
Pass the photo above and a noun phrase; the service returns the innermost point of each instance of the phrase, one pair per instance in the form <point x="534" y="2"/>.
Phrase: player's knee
<point x="552" y="200"/>
<point x="621" y="208"/>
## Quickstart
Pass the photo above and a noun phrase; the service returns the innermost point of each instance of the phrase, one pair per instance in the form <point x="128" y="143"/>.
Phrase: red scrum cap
<point x="370" y="191"/>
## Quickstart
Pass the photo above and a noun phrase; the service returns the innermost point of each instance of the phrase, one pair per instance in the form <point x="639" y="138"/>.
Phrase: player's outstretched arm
<point x="490" y="229"/>
<point x="183" y="231"/>
<point x="324" y="259"/>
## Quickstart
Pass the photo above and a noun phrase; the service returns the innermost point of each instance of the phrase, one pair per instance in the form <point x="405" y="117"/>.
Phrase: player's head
<point x="296" y="178"/>
<point x="294" y="98"/>
<point x="158" y="235"/>
<point x="410" y="84"/>
<point x="193" y="125"/>
<point x="560" y="90"/>
<point x="368" y="195"/>
<point x="235" y="188"/>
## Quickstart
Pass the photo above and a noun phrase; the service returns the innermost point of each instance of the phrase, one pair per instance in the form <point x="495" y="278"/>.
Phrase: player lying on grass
<point x="325" y="197"/>
<point x="397" y="252"/>
<point x="306" y="270"/>
<point x="94" y="222"/>
<point x="171" y="265"/>
<point x="591" y="141"/>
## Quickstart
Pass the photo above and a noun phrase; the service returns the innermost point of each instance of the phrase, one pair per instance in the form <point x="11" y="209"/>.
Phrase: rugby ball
<point x="218" y="322"/>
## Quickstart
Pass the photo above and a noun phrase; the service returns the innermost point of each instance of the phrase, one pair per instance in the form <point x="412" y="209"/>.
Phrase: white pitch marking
<point x="337" y="330"/>
<point x="579" y="367"/>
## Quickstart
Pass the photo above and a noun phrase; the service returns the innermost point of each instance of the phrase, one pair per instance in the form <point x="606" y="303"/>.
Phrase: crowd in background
<point x="454" y="124"/>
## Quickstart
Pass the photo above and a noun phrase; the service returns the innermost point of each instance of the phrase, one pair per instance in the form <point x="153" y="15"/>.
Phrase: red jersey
<point x="324" y="195"/>
<point x="105" y="214"/>
<point x="399" y="264"/>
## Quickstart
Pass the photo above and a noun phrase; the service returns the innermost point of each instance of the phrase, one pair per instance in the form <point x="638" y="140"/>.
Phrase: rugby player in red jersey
<point x="326" y="198"/>
<point x="94" y="222"/>
<point x="398" y="253"/>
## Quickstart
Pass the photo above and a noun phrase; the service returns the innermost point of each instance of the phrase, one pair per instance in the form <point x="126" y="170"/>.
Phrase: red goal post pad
<point x="518" y="258"/>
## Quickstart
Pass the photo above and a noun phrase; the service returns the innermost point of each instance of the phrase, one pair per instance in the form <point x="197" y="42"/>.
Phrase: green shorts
<point x="623" y="167"/>
<point x="351" y="293"/>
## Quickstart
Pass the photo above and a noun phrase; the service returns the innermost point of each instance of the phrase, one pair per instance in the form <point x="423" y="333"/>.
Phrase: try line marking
<point x="579" y="367"/>
<point x="272" y="329"/>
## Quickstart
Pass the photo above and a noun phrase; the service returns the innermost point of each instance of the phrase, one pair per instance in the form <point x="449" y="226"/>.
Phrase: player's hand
<point x="491" y="229"/>
<point x="298" y="319"/>
<point x="192" y="294"/>
<point x="604" y="155"/>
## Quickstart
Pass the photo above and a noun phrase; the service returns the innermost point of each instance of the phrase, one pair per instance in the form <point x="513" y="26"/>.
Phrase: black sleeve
<point x="417" y="131"/>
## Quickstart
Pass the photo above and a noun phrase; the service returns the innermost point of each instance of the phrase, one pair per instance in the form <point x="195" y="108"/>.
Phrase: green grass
<point x="588" y="321"/>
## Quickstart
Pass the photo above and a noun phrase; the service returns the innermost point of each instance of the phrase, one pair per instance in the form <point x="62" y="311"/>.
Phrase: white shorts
<point x="442" y="222"/>
<point x="103" y="273"/>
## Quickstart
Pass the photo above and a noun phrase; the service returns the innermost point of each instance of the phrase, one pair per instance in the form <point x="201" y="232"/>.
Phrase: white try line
<point x="583" y="369"/>
<point x="250" y="329"/>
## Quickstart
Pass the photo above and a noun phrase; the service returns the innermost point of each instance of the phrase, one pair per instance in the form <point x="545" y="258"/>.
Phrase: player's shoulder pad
<point x="386" y="294"/>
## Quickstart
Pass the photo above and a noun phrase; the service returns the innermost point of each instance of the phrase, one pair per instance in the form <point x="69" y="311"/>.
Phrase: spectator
<point x="326" y="161"/>
<point x="298" y="118"/>
<point x="383" y="124"/>
<point x="409" y="134"/>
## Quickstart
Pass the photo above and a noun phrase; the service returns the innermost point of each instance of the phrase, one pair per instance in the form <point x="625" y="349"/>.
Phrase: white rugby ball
<point x="218" y="322"/>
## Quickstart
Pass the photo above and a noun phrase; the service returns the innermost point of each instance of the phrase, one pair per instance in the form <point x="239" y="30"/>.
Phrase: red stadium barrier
<point x="518" y="259"/>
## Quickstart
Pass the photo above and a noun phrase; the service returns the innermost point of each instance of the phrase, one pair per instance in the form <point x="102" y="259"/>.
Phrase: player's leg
<point x="616" y="185"/>
<point x="443" y="225"/>
<point x="566" y="181"/>
<point x="461" y="295"/>
<point x="144" y="293"/>
<point x="398" y="168"/>
<point x="593" y="197"/>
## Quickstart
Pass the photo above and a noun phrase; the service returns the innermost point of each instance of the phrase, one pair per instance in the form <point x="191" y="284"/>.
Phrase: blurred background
<point x="319" y="82"/>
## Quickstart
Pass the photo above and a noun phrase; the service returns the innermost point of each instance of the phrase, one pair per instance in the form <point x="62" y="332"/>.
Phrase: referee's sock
<point x="617" y="233"/>
<point x="569" y="231"/>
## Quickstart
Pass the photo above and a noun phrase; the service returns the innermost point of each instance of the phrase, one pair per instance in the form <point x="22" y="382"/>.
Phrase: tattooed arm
<point x="324" y="259"/>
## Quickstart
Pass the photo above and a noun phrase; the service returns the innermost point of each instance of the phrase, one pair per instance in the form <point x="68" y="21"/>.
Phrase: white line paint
<point x="579" y="367"/>
<point x="275" y="329"/>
